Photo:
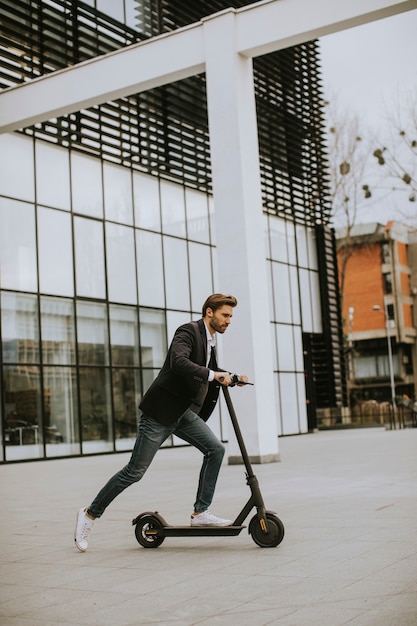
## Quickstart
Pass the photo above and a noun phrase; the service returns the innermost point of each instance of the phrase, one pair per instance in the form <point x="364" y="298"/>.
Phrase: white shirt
<point x="211" y="342"/>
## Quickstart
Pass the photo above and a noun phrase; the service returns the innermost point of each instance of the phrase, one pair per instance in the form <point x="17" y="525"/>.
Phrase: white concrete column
<point x="242" y="268"/>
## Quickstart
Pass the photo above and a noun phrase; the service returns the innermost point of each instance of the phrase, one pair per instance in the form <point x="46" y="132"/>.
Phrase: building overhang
<point x="258" y="29"/>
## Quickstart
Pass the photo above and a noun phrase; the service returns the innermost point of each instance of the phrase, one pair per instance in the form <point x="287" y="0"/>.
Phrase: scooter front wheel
<point x="145" y="531"/>
<point x="275" y="533"/>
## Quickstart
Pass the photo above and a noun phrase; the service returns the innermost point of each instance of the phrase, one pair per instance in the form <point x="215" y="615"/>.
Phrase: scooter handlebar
<point x="235" y="380"/>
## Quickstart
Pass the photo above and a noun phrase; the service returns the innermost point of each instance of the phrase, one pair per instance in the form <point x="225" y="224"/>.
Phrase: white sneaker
<point x="208" y="519"/>
<point x="82" y="530"/>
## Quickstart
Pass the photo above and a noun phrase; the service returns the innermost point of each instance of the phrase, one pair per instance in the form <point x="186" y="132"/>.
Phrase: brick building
<point x="379" y="285"/>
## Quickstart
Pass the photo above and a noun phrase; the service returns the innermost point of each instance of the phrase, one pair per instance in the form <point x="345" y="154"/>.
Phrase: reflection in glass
<point x="52" y="176"/>
<point x="60" y="411"/>
<point x="152" y="338"/>
<point x="147" y="204"/>
<point x="22" y="403"/>
<point x="95" y="401"/>
<point x="118" y="194"/>
<point x="17" y="246"/>
<point x="149" y="255"/>
<point x="87" y="194"/>
<point x="176" y="273"/>
<point x="57" y="328"/>
<point x="197" y="215"/>
<point x="93" y="344"/>
<point x="20" y="330"/>
<point x="121" y="275"/>
<point x="148" y="377"/>
<point x="89" y="258"/>
<point x="124" y="336"/>
<point x="56" y="274"/>
<point x="126" y="398"/>
<point x="173" y="209"/>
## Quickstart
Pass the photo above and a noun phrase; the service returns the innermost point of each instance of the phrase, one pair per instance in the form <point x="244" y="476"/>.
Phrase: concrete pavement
<point x="349" y="556"/>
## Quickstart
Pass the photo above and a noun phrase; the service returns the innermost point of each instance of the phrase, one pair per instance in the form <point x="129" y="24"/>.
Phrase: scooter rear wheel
<point x="143" y="532"/>
<point x="275" y="533"/>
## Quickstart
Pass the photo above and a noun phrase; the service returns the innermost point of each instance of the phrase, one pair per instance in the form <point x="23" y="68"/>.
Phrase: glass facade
<point x="91" y="296"/>
<point x="107" y="241"/>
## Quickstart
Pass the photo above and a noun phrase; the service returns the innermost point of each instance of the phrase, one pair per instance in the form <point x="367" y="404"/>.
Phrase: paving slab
<point x="348" y="500"/>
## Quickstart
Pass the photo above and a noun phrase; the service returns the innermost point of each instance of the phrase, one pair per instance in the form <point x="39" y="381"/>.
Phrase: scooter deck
<point x="195" y="531"/>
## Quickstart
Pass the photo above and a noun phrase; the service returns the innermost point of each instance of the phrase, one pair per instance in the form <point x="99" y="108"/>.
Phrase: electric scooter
<point x="265" y="527"/>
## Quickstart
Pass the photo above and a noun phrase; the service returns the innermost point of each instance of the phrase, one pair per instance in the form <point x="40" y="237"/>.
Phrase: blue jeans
<point x="151" y="435"/>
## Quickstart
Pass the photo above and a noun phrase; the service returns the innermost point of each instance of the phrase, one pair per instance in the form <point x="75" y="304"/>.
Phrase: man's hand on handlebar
<point x="226" y="379"/>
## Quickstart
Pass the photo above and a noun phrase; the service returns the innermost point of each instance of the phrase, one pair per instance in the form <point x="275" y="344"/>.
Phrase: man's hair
<point x="216" y="300"/>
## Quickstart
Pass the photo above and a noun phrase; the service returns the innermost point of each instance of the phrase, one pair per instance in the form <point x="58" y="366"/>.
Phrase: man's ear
<point x="209" y="312"/>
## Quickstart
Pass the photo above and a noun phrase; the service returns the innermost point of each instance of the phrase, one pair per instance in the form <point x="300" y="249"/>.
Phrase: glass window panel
<point x="197" y="215"/>
<point x="152" y="338"/>
<point x="95" y="401"/>
<point x="312" y="249"/>
<point x="17" y="173"/>
<point x="22" y="402"/>
<point x="118" y="194"/>
<point x="150" y="282"/>
<point x="87" y="189"/>
<point x="274" y="347"/>
<point x="289" y="403"/>
<point x="20" y="328"/>
<point x="58" y="332"/>
<point x="124" y="335"/>
<point x="269" y="275"/>
<point x="298" y="349"/>
<point x="302" y="403"/>
<point x="212" y="219"/>
<point x="173" y="209"/>
<point x="147" y="204"/>
<point x="56" y="272"/>
<point x="175" y="319"/>
<point x="278" y="406"/>
<point x="282" y="294"/>
<point x="316" y="302"/>
<point x="176" y="274"/>
<point x="148" y="376"/>
<point x="278" y="239"/>
<point x="200" y="274"/>
<point x="302" y="246"/>
<point x="114" y="8"/>
<point x="126" y="398"/>
<point x="306" y="301"/>
<point x="121" y="264"/>
<point x="61" y="429"/>
<point x="295" y="295"/>
<point x="92" y="333"/>
<point x="17" y="246"/>
<point x="285" y="346"/>
<point x="52" y="176"/>
<point x="292" y="257"/>
<point x="132" y="9"/>
<point x="89" y="258"/>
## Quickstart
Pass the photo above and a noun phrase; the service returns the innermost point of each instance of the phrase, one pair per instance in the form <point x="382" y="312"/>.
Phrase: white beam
<point x="240" y="237"/>
<point x="260" y="28"/>
<point x="277" y="24"/>
<point x="142" y="66"/>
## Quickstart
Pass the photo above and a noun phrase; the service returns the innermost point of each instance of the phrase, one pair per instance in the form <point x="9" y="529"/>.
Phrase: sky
<point x="365" y="69"/>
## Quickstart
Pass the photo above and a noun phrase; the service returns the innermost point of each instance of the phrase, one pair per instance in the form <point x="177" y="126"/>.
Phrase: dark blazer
<point x="181" y="377"/>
